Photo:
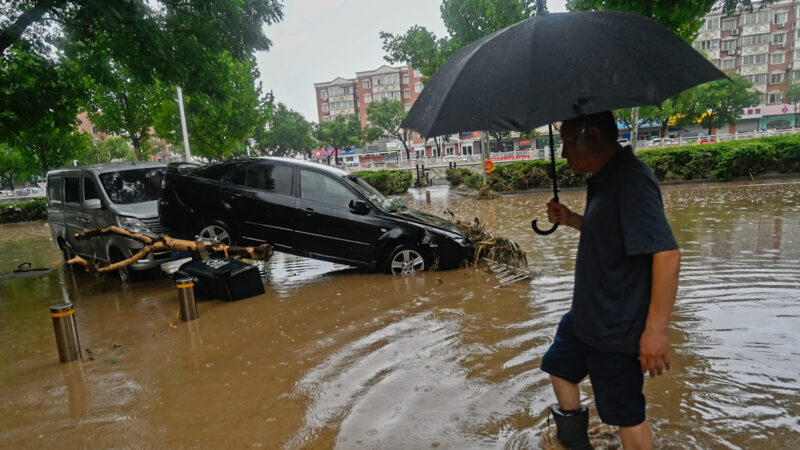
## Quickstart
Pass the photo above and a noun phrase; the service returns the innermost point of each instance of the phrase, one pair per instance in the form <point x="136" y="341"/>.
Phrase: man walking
<point x="626" y="278"/>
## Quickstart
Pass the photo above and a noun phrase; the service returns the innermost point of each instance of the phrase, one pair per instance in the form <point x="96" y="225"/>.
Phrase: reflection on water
<point x="331" y="357"/>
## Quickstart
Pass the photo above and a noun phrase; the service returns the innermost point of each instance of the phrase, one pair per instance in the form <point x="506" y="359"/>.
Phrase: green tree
<point x="11" y="166"/>
<point x="341" y="132"/>
<point x="114" y="148"/>
<point x="683" y="17"/>
<point x="288" y="132"/>
<point x="793" y="97"/>
<point x="385" y="117"/>
<point x="719" y="102"/>
<point x="465" y="21"/>
<point x="47" y="148"/>
<point x="163" y="38"/>
<point x="223" y="109"/>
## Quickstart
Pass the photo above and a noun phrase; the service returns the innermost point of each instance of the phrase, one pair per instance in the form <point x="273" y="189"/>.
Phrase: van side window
<point x="235" y="176"/>
<point x="272" y="178"/>
<point x="72" y="190"/>
<point x="89" y="189"/>
<point x="55" y="189"/>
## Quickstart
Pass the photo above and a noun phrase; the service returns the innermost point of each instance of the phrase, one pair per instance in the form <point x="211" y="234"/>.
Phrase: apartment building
<point x="762" y="46"/>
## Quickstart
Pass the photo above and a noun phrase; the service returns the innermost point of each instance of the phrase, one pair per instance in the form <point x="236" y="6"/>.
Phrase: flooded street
<point x="329" y="357"/>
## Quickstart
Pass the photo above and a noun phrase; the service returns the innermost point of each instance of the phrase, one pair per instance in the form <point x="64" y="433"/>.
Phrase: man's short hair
<point x="604" y="121"/>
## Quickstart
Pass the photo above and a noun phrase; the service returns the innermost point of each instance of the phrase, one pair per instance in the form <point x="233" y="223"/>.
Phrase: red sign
<point x="488" y="166"/>
<point x="511" y="158"/>
<point x="524" y="142"/>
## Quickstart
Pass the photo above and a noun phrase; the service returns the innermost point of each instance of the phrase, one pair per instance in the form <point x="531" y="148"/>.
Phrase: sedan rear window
<point x="133" y="186"/>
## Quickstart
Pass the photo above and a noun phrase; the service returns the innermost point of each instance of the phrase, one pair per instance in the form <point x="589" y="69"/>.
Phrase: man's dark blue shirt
<point x="623" y="225"/>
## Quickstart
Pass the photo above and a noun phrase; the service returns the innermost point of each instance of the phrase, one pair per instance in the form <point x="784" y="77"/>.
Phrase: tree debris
<point x="262" y="252"/>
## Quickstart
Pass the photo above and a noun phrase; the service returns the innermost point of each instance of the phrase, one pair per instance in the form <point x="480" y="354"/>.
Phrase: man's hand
<point x="654" y="352"/>
<point x="560" y="214"/>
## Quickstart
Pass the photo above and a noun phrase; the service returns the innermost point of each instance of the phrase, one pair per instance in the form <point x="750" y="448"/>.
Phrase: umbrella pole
<point x="555" y="183"/>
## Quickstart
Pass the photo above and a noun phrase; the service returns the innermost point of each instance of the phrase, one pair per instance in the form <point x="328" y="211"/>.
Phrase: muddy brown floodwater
<point x="328" y="357"/>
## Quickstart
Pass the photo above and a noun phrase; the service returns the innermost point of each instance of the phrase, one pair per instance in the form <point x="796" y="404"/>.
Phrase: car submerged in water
<point x="307" y="209"/>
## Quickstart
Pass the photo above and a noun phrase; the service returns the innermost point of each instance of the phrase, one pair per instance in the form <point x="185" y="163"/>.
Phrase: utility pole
<point x="183" y="125"/>
<point x="634" y="126"/>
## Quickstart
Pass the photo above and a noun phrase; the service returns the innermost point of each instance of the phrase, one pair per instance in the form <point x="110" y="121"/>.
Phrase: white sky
<point x="319" y="40"/>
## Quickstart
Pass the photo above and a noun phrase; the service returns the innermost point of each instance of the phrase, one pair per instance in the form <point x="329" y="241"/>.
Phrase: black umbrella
<point x="557" y="66"/>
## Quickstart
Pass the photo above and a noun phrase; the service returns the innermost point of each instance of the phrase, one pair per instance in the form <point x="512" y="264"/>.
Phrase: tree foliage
<point x="339" y="133"/>
<point x="719" y="102"/>
<point x="683" y="17"/>
<point x="287" y="133"/>
<point x="465" y="21"/>
<point x="385" y="117"/>
<point x="223" y="107"/>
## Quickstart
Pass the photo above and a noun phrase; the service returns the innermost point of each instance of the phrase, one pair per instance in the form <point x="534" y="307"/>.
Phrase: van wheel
<point x="217" y="232"/>
<point x="405" y="259"/>
<point x="125" y="275"/>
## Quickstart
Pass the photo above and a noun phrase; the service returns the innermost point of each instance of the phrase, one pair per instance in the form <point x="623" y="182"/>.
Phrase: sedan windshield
<point x="390" y="205"/>
<point x="133" y="186"/>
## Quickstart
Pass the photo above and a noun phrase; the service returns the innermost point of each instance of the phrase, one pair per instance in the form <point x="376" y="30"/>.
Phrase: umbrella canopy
<point x="557" y="66"/>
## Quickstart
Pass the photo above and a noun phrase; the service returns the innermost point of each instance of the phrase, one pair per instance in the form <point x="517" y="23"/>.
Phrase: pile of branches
<point x="262" y="252"/>
<point x="493" y="247"/>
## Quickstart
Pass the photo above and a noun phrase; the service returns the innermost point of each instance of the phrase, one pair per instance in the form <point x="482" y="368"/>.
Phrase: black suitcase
<point x="224" y="279"/>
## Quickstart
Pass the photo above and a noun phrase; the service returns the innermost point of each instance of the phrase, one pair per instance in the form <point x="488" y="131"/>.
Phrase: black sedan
<point x="309" y="210"/>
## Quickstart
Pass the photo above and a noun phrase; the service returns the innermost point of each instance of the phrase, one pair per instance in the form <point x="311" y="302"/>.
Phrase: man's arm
<point x="560" y="214"/>
<point x="653" y="345"/>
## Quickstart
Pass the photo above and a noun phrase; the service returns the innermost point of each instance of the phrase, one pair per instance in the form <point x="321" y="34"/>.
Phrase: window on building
<point x="728" y="44"/>
<point x="760" y="58"/>
<point x="366" y="84"/>
<point x="408" y="106"/>
<point x="418" y="88"/>
<point x="383" y="80"/>
<point x="323" y="94"/>
<point x="324" y="107"/>
<point x="417" y="73"/>
<point x="405" y="79"/>
<point x="712" y="23"/>
<point x="709" y="44"/>
<point x="406" y="93"/>
<point x="728" y="64"/>
<point x="796" y="75"/>
<point x="367" y="98"/>
<point x="779" y="38"/>
<point x="774" y="97"/>
<point x="780" y="17"/>
<point x="729" y="24"/>
<point x="776" y="78"/>
<point x="395" y="94"/>
<point x="326" y="119"/>
<point x="777" y="58"/>
<point x="760" y="78"/>
<point x="756" y="18"/>
<point x="755" y="39"/>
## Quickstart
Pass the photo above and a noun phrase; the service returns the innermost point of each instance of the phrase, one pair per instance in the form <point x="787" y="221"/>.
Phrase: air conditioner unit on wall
<point x="734" y="32"/>
<point x="781" y="45"/>
<point x="781" y="25"/>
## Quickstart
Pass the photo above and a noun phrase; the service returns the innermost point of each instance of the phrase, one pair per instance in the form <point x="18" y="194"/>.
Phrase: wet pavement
<point x="329" y="357"/>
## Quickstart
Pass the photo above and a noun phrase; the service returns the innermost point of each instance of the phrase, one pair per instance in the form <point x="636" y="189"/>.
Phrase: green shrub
<point x="389" y="182"/>
<point x="457" y="175"/>
<point x="23" y="211"/>
<point x="474" y="180"/>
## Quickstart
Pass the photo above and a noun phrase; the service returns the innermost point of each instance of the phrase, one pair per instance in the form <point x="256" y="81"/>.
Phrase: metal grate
<point x="155" y="225"/>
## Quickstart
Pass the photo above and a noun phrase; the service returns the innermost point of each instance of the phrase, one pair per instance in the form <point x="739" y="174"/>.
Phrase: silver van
<point x="122" y="194"/>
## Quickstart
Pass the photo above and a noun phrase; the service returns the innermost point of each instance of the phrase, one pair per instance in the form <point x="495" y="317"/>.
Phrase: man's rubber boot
<point x="572" y="427"/>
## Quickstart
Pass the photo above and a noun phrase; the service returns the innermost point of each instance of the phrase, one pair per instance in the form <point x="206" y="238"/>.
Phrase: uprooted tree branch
<point x="262" y="252"/>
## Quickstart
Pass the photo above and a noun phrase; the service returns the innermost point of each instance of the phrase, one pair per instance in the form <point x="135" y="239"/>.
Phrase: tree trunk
<point x="12" y="32"/>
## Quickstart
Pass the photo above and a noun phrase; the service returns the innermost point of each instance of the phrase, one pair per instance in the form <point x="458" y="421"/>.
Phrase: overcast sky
<point x="319" y="40"/>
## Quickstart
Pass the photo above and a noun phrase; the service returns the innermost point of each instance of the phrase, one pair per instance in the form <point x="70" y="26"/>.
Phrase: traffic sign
<point x="488" y="166"/>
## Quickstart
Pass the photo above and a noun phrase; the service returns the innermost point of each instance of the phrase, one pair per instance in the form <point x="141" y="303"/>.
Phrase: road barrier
<point x="186" y="300"/>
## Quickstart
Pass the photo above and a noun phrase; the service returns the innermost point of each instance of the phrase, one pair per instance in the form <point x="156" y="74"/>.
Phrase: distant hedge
<point x="726" y="160"/>
<point x="389" y="182"/>
<point x="721" y="162"/>
<point x="23" y="211"/>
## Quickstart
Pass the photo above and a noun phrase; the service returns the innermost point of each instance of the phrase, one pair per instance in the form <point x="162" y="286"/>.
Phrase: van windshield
<point x="133" y="186"/>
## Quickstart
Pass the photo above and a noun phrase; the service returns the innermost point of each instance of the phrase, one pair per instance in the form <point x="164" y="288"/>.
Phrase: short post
<point x="69" y="347"/>
<point x="186" y="298"/>
<point x="427" y="196"/>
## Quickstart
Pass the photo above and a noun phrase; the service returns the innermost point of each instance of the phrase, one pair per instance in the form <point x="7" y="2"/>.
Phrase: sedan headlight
<point x="133" y="224"/>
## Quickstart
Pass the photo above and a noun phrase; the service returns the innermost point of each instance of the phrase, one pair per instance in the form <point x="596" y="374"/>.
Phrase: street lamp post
<point x="183" y="125"/>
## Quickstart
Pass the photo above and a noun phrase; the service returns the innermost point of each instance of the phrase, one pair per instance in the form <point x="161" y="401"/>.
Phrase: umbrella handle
<point x="543" y="232"/>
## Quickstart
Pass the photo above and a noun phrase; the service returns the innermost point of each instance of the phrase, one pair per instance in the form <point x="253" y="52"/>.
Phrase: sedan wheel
<point x="215" y="233"/>
<point x="407" y="261"/>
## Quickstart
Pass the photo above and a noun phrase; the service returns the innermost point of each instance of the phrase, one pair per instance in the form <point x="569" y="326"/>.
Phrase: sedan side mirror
<point x="359" y="206"/>
<point x="92" y="203"/>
